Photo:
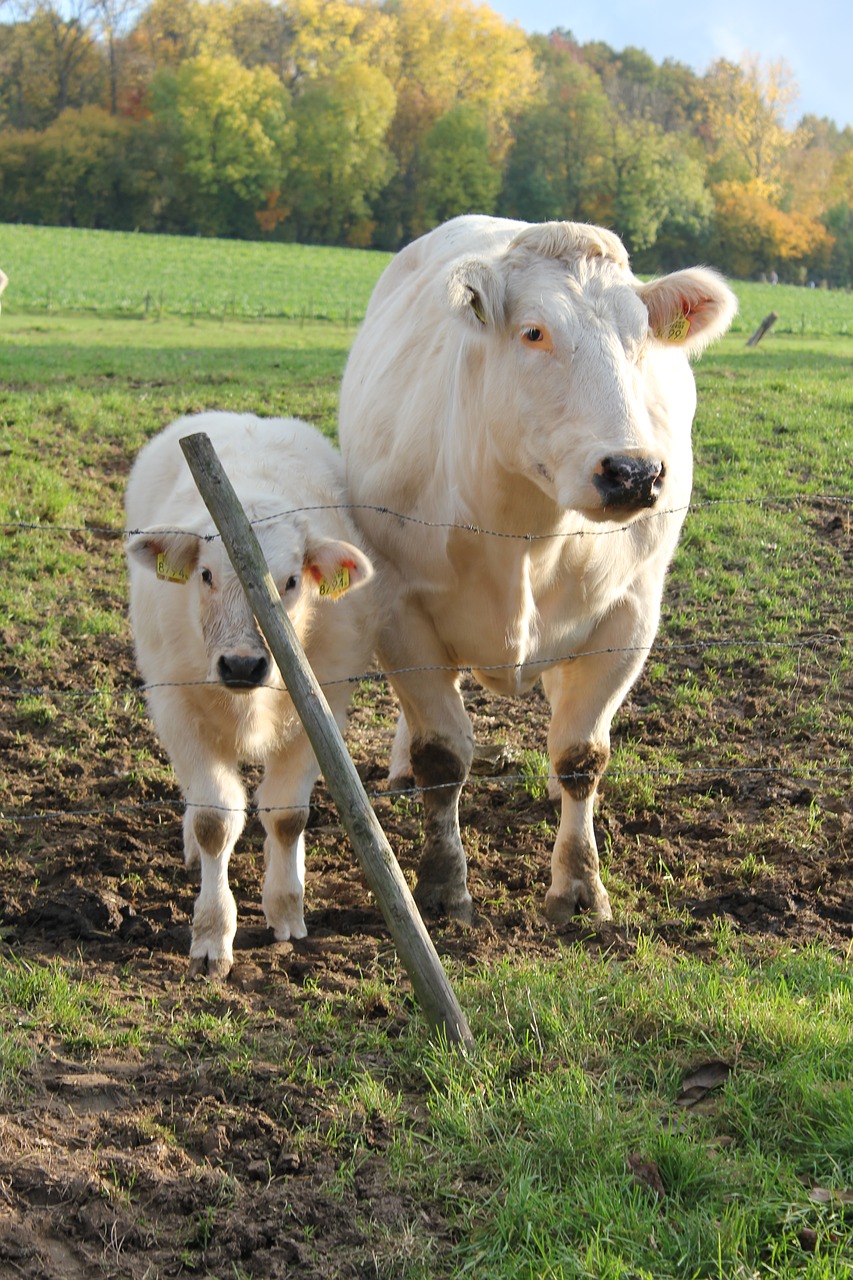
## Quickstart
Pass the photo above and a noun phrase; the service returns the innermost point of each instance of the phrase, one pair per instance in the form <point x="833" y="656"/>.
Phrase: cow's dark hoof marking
<point x="437" y="900"/>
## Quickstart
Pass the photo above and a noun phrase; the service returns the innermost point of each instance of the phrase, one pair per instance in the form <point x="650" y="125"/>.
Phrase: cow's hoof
<point x="207" y="967"/>
<point x="438" y="900"/>
<point x="561" y="908"/>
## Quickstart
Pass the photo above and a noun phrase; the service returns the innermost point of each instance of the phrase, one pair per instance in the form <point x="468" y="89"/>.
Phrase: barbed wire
<point x="811" y="642"/>
<point x="810" y="773"/>
<point x="113" y="533"/>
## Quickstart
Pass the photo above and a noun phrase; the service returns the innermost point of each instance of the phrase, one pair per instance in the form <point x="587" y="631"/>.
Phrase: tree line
<point x="365" y="122"/>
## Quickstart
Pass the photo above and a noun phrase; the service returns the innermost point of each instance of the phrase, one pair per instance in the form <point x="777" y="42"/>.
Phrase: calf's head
<point x="577" y="367"/>
<point x="214" y="615"/>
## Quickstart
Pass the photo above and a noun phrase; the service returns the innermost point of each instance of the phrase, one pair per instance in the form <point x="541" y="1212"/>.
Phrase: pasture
<point x="667" y="1096"/>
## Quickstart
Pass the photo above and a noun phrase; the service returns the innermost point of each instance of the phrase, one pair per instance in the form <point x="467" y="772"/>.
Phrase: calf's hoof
<point x="216" y="968"/>
<point x="434" y="899"/>
<point x="560" y="908"/>
<point x="284" y="916"/>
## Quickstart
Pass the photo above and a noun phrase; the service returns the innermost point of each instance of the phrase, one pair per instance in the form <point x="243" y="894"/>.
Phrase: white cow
<point x="520" y="393"/>
<point x="216" y="696"/>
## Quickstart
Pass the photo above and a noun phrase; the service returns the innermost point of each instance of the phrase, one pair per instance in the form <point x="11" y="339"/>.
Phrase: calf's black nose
<point x="629" y="482"/>
<point x="240" y="672"/>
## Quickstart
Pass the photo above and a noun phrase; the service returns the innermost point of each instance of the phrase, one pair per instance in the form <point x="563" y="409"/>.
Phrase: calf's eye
<point x="207" y="577"/>
<point x="290" y="585"/>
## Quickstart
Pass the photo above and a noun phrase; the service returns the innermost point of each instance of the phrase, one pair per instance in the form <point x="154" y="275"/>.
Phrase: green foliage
<point x="456" y="173"/>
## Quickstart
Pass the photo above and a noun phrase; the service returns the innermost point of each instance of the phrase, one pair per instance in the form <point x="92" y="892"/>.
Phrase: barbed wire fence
<point x="827" y="641"/>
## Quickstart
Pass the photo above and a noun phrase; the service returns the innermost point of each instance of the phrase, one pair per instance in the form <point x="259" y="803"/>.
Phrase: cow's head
<point x="578" y="367"/>
<point x="307" y="570"/>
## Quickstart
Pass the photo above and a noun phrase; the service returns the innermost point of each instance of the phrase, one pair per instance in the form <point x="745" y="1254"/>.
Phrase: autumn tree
<point x="340" y="161"/>
<point x="450" y="53"/>
<point x="745" y="108"/>
<point x="228" y="129"/>
<point x="49" y="61"/>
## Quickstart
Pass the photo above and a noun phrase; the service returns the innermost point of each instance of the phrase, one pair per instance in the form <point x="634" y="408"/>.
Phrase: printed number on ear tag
<point x="170" y="572"/>
<point x="336" y="586"/>
<point x="677" y="330"/>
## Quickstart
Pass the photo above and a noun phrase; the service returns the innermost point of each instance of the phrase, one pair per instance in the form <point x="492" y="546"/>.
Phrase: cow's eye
<point x="532" y="335"/>
<point x="207" y="577"/>
<point x="290" y="585"/>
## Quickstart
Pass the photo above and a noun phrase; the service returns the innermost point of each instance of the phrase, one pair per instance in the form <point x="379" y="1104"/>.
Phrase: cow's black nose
<point x="240" y="672"/>
<point x="629" y="482"/>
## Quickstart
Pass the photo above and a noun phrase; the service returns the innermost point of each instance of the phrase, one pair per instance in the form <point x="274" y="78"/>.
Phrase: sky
<point x="815" y="37"/>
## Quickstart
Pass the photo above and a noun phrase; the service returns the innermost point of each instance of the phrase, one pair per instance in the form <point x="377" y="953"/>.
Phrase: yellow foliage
<point x="756" y="233"/>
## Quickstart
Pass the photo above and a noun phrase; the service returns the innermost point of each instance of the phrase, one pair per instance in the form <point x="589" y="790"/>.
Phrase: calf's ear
<point x="336" y="567"/>
<point x="476" y="292"/>
<point x="170" y="553"/>
<point x="689" y="309"/>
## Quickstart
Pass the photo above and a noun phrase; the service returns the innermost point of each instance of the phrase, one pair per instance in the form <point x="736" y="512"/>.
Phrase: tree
<point x="744" y="118"/>
<point x="231" y="135"/>
<point x="658" y="182"/>
<point x="50" y="61"/>
<point x="455" y="173"/>
<point x="752" y="235"/>
<point x="87" y="169"/>
<point x="449" y="53"/>
<point x="556" y="166"/>
<point x="340" y="160"/>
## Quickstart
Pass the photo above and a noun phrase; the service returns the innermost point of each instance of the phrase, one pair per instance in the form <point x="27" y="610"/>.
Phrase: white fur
<point x="450" y="414"/>
<point x="185" y="630"/>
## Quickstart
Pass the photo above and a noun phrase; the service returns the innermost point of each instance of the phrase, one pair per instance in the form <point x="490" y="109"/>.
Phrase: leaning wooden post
<point x="766" y="323"/>
<point x="383" y="873"/>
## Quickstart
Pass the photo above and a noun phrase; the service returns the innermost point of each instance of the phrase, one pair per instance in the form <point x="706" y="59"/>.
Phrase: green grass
<point x="525" y="1153"/>
<point x="122" y="273"/>
<point x="64" y="269"/>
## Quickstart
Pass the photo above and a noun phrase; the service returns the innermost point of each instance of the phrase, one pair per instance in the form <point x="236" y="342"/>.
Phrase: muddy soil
<point x="159" y="1163"/>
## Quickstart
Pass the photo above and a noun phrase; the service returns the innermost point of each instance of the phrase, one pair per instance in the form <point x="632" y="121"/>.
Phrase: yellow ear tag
<point x="336" y="586"/>
<point x="169" y="572"/>
<point x="677" y="331"/>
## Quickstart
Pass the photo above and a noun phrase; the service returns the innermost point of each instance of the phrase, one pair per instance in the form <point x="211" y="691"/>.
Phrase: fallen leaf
<point x="823" y="1195"/>
<point x="647" y="1174"/>
<point x="701" y="1081"/>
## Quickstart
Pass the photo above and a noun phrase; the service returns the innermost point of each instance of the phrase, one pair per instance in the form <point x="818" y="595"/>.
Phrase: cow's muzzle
<point x="242" y="671"/>
<point x="629" y="483"/>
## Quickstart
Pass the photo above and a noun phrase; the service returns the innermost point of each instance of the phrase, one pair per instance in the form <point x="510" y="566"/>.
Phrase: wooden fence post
<point x="766" y="324"/>
<point x="383" y="873"/>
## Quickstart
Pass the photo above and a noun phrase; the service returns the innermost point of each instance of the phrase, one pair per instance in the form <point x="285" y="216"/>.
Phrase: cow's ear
<point x="336" y="567"/>
<point x="689" y="309"/>
<point x="170" y="553"/>
<point x="475" y="291"/>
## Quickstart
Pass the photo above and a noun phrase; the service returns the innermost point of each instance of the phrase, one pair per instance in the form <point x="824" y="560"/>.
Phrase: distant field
<point x="118" y="273"/>
<point x="115" y="272"/>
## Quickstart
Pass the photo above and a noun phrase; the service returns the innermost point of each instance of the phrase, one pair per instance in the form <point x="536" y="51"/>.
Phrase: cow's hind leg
<point x="283" y="799"/>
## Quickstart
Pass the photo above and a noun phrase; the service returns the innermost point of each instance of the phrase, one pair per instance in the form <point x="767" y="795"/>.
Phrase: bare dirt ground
<point x="155" y="1164"/>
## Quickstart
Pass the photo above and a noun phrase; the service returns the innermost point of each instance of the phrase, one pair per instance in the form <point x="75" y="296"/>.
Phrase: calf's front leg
<point x="283" y="799"/>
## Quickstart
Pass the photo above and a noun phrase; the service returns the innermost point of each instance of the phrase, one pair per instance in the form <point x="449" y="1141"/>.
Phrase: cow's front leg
<point x="283" y="799"/>
<point x="442" y="745"/>
<point x="585" y="695"/>
<point x="213" y="820"/>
